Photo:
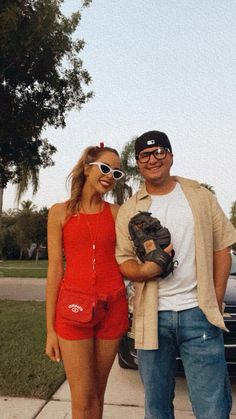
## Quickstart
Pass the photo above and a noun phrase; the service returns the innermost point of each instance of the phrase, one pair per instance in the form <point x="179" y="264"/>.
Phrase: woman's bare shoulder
<point x="58" y="211"/>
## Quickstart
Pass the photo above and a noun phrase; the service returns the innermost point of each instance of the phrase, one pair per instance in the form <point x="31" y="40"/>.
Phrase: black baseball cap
<point x="151" y="139"/>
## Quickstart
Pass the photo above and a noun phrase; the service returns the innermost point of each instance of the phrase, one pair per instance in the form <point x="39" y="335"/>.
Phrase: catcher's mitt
<point x="150" y="238"/>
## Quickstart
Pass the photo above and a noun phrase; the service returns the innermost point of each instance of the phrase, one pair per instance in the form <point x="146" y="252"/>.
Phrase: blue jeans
<point x="202" y="351"/>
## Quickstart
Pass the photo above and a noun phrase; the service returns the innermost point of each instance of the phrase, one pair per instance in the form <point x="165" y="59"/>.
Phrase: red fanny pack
<point x="85" y="310"/>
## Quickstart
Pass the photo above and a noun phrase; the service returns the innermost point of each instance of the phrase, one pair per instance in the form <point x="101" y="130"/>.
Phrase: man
<point x="182" y="311"/>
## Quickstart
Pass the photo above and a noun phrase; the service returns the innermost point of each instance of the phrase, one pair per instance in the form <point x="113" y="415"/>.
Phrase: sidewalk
<point x="124" y="399"/>
<point x="124" y="395"/>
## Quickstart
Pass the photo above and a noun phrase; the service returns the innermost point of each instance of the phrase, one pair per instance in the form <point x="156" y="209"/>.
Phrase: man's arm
<point x="140" y="272"/>
<point x="125" y="254"/>
<point x="222" y="265"/>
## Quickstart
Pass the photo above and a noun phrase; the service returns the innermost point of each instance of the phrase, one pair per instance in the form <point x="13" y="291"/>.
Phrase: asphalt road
<point x="23" y="289"/>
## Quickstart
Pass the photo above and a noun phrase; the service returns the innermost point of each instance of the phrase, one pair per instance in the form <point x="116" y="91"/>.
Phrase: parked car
<point x="127" y="356"/>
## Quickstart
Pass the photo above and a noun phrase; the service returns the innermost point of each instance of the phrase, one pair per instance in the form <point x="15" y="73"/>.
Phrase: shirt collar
<point x="142" y="193"/>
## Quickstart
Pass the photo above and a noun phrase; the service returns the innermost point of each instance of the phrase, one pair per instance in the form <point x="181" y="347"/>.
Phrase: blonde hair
<point x="77" y="178"/>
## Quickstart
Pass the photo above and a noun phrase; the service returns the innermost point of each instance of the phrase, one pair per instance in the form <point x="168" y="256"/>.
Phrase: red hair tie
<point x="101" y="145"/>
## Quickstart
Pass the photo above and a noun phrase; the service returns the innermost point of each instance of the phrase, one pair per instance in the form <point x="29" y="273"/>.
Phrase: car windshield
<point x="233" y="267"/>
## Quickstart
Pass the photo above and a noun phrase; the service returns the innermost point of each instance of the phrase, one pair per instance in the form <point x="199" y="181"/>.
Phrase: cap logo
<point x="150" y="142"/>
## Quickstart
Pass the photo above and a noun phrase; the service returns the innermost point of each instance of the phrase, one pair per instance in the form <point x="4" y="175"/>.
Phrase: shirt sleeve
<point x="224" y="233"/>
<point x="124" y="247"/>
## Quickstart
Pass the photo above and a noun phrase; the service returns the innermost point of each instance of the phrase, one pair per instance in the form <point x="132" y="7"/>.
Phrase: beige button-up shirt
<point x="213" y="231"/>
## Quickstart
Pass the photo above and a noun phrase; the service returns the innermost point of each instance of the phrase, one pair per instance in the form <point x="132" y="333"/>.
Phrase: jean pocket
<point x="211" y="330"/>
<point x="201" y="326"/>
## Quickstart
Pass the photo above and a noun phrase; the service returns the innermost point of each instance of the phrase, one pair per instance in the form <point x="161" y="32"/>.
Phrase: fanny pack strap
<point x="114" y="296"/>
<point x="108" y="298"/>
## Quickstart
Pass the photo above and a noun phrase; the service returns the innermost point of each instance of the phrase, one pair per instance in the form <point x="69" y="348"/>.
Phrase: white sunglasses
<point x="105" y="170"/>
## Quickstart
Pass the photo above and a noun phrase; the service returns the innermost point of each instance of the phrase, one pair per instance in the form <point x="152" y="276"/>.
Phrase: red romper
<point x="79" y="233"/>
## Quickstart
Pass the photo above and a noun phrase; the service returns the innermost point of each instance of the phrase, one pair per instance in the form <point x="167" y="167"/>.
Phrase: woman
<point x="83" y="228"/>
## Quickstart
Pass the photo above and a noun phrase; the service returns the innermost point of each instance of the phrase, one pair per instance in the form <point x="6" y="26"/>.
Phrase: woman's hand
<point x="52" y="347"/>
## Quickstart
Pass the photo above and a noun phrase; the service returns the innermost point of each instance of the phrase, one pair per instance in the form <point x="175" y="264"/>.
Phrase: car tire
<point x="126" y="358"/>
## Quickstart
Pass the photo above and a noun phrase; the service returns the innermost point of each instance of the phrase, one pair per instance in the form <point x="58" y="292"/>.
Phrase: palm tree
<point x="24" y="223"/>
<point x="26" y="176"/>
<point x="8" y="236"/>
<point x="233" y="213"/>
<point x="1" y="200"/>
<point x="233" y="218"/>
<point x="27" y="207"/>
<point x="123" y="190"/>
<point x="209" y="187"/>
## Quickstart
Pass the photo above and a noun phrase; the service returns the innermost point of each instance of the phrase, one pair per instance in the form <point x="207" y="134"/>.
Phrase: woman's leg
<point x="104" y="355"/>
<point x="78" y="359"/>
<point x="107" y="338"/>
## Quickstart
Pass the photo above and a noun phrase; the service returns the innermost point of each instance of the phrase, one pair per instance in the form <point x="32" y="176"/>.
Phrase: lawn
<point x="23" y="268"/>
<point x="25" y="371"/>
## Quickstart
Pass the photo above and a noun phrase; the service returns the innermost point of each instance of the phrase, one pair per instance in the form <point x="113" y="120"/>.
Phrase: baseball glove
<point x="150" y="238"/>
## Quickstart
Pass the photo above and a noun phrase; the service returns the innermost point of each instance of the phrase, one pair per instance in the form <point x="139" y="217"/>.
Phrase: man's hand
<point x="151" y="269"/>
<point x="150" y="239"/>
<point x="140" y="272"/>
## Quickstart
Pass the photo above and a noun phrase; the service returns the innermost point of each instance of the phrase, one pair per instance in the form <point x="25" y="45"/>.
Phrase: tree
<point x="25" y="227"/>
<point x="123" y="189"/>
<point x="233" y="213"/>
<point x="41" y="79"/>
<point x="27" y="207"/>
<point x="233" y="219"/>
<point x="24" y="232"/>
<point x="40" y="230"/>
<point x="209" y="187"/>
<point x="8" y="243"/>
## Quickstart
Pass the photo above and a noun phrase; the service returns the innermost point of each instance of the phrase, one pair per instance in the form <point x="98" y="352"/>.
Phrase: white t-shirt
<point x="178" y="291"/>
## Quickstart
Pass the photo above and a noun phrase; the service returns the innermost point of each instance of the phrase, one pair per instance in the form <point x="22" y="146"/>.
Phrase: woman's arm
<point x="54" y="276"/>
<point x="139" y="272"/>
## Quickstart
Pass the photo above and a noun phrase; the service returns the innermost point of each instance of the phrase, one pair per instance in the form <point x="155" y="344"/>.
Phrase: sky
<point x="167" y="65"/>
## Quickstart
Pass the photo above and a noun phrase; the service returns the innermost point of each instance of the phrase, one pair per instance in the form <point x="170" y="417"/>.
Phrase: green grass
<point x="25" y="371"/>
<point x="23" y="268"/>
